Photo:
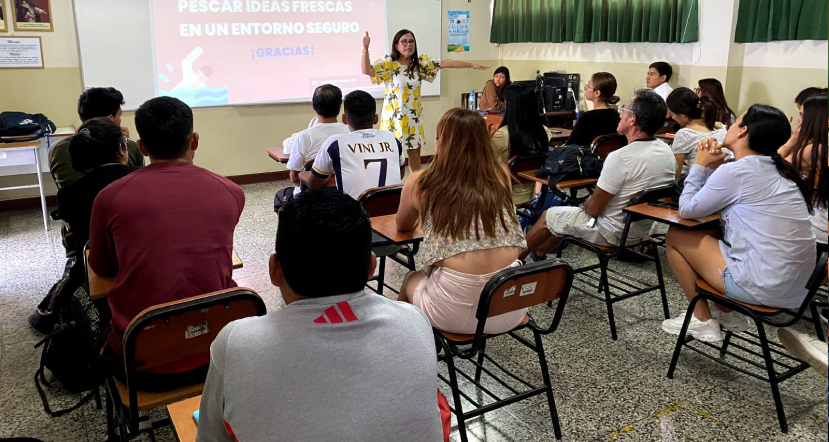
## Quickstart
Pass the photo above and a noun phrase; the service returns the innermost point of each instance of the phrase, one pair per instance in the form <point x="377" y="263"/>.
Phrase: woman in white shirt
<point x="698" y="118"/>
<point x="765" y="251"/>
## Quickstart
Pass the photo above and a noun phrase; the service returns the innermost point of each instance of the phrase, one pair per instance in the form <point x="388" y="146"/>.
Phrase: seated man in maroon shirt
<point x="164" y="232"/>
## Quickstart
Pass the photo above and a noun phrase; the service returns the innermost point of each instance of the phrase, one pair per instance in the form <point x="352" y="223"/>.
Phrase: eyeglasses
<point x="589" y="86"/>
<point x="407" y="42"/>
<point x="697" y="90"/>
<point x="624" y="109"/>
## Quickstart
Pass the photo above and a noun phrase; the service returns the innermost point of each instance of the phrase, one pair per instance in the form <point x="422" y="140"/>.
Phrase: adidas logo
<point x="332" y="315"/>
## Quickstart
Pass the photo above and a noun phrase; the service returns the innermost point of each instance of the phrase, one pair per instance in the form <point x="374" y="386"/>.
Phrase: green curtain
<point x="587" y="21"/>
<point x="774" y="20"/>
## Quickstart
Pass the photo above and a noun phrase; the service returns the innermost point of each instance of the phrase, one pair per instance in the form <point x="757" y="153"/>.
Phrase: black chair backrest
<point x="379" y="201"/>
<point x="643" y="197"/>
<point x="308" y="165"/>
<point x="603" y="145"/>
<point x="524" y="163"/>
<point x="816" y="280"/>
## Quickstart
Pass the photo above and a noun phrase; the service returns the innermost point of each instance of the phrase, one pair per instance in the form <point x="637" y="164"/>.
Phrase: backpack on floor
<point x="47" y="313"/>
<point x="28" y="126"/>
<point x="72" y="353"/>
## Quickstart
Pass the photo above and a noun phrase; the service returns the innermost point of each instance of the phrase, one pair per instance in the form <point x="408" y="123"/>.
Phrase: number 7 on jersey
<point x="384" y="167"/>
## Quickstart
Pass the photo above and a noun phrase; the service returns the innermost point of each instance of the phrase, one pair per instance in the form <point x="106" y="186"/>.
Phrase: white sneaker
<point x="729" y="320"/>
<point x="807" y="348"/>
<point x="708" y="331"/>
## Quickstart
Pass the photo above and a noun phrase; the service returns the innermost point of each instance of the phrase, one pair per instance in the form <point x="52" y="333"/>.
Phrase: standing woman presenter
<point x="402" y="72"/>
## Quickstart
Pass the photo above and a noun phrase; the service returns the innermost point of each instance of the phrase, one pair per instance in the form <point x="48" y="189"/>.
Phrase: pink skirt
<point x="450" y="300"/>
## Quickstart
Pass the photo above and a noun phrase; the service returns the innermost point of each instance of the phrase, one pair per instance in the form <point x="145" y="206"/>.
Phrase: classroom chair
<point x="773" y="354"/>
<point x="508" y="290"/>
<point x="380" y="201"/>
<point x="163" y="334"/>
<point x="525" y="163"/>
<point x="618" y="286"/>
<point x="603" y="145"/>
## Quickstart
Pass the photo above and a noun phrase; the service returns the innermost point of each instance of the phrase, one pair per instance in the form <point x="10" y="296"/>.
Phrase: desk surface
<point x="566" y="184"/>
<point x="181" y="414"/>
<point x="386" y="226"/>
<point x="22" y="144"/>
<point x="563" y="136"/>
<point x="99" y="286"/>
<point x="671" y="216"/>
<point x="278" y="154"/>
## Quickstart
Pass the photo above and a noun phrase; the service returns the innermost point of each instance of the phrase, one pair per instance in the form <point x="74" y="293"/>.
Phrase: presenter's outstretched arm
<point x="456" y="64"/>
<point x="366" y="61"/>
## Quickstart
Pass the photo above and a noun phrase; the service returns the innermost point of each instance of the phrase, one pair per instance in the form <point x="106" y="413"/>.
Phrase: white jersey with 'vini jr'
<point x="361" y="160"/>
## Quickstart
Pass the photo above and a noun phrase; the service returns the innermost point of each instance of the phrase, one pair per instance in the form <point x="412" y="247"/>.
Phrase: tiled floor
<point x="605" y="390"/>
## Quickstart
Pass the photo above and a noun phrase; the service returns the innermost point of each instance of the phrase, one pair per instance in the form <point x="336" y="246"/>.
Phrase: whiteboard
<point x="115" y="43"/>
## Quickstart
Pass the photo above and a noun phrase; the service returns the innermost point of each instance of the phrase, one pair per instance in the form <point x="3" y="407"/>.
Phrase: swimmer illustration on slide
<point x="193" y="80"/>
<point x="193" y="88"/>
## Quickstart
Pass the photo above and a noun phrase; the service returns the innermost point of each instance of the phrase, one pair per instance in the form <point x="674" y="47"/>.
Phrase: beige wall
<point x="234" y="139"/>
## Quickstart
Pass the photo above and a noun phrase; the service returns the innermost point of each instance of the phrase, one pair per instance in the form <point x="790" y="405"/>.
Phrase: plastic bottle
<point x="472" y="102"/>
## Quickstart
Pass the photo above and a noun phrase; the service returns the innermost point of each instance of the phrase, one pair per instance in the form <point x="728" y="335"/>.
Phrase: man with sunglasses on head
<point x="643" y="164"/>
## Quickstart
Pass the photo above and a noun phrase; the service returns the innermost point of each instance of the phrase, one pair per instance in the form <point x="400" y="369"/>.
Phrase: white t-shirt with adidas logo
<point x="361" y="160"/>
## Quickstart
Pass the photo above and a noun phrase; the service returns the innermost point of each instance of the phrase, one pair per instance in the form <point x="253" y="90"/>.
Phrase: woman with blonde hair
<point x="464" y="202"/>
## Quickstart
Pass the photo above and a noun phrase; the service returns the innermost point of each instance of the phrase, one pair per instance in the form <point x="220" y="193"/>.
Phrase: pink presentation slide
<point x="224" y="52"/>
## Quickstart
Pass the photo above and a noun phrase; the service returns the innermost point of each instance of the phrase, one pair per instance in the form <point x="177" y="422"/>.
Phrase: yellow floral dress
<point x="402" y="108"/>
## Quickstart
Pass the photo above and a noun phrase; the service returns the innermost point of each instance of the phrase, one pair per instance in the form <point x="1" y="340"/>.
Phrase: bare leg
<point x="537" y="237"/>
<point x="410" y="281"/>
<point x="696" y="254"/>
<point x="414" y="159"/>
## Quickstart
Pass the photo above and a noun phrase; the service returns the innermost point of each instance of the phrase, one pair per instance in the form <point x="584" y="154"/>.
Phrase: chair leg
<point x="682" y="339"/>
<point x="725" y="342"/>
<point x="821" y="334"/>
<point x="109" y="411"/>
<point x="381" y="273"/>
<point x="661" y="280"/>
<point x="605" y="285"/>
<point x="545" y="373"/>
<point x="775" y="390"/>
<point x="456" y="395"/>
<point x="480" y="361"/>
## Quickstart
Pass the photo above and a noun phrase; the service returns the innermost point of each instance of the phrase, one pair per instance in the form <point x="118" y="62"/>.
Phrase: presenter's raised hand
<point x="366" y="41"/>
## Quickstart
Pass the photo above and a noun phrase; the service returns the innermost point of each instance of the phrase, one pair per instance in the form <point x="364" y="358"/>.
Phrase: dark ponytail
<point x="684" y="101"/>
<point x="768" y="129"/>
<point x="98" y="142"/>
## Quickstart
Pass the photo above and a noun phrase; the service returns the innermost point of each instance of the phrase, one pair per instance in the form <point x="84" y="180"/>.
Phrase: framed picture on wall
<point x="32" y="15"/>
<point x="4" y="22"/>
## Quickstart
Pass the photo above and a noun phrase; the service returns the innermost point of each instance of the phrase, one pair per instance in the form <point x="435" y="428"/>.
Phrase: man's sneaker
<point x="708" y="331"/>
<point x="730" y="321"/>
<point x="807" y="348"/>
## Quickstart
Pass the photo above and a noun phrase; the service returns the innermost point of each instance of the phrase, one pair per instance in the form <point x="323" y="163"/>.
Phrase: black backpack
<point x="72" y="353"/>
<point x="24" y="127"/>
<point x="570" y="162"/>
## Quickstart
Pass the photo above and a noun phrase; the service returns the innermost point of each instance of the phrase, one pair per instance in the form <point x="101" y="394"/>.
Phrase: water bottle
<point x="471" y="103"/>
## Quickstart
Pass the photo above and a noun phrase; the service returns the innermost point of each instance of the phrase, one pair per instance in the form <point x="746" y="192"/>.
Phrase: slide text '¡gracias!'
<point x="262" y="6"/>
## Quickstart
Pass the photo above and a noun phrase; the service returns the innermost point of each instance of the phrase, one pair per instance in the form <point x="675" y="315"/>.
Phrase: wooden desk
<point x="278" y="154"/>
<point x="671" y="216"/>
<point x="566" y="184"/>
<point x="668" y="137"/>
<point x="563" y="136"/>
<point x="100" y="286"/>
<point x="181" y="415"/>
<point x="386" y="226"/>
<point x="305" y="177"/>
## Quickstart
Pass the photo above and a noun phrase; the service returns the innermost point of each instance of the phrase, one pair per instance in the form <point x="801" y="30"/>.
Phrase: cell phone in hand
<point x="555" y="131"/>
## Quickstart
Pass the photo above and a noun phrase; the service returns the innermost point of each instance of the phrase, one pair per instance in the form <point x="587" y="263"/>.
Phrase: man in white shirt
<point x="326" y="102"/>
<point x="364" y="158"/>
<point x="659" y="74"/>
<point x="643" y="164"/>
